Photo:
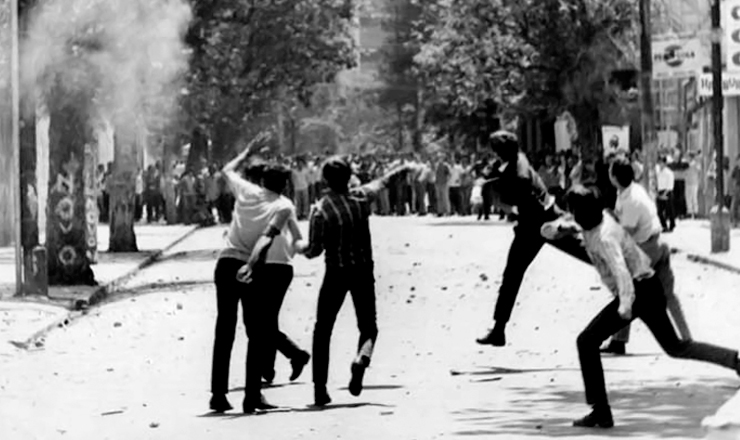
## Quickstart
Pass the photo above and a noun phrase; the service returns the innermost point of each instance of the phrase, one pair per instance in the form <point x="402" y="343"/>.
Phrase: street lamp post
<point x="719" y="217"/>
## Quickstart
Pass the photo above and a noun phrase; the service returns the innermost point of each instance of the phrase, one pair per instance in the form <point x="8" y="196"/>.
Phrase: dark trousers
<point x="152" y="206"/>
<point x="456" y="204"/>
<point x="524" y="248"/>
<point x="420" y="192"/>
<point x="225" y="206"/>
<point x="261" y="301"/>
<point x="432" y="194"/>
<point x="487" y="202"/>
<point x="666" y="210"/>
<point x="650" y="307"/>
<point x="360" y="283"/>
<point x="139" y="207"/>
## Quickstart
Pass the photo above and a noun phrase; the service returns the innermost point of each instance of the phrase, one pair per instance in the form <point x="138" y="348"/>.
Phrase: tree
<point x="531" y="57"/>
<point x="245" y="53"/>
<point x="70" y="131"/>
<point x="403" y="86"/>
<point x="113" y="61"/>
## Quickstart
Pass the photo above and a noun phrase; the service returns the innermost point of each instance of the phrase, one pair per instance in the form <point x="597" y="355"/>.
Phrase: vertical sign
<point x="732" y="34"/>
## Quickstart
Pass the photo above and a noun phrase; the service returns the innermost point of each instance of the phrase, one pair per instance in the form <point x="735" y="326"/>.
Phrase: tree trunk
<point x="66" y="228"/>
<point x="29" y="184"/>
<point x="399" y="115"/>
<point x="588" y="123"/>
<point x="123" y="193"/>
<point x="198" y="150"/>
<point x="224" y="138"/>
<point x="169" y="156"/>
<point x="419" y="120"/>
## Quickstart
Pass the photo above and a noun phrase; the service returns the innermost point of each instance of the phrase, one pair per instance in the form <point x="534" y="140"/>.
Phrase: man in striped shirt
<point x="339" y="227"/>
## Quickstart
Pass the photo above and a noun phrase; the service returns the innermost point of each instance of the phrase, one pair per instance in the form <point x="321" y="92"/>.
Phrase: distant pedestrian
<point x="666" y="208"/>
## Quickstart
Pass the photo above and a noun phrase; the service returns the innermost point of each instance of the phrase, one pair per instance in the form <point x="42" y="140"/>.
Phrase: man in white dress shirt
<point x="666" y="181"/>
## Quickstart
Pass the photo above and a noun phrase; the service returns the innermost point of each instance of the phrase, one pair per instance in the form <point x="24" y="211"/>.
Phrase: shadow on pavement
<point x="661" y="409"/>
<point x="305" y="409"/>
<point x="499" y="371"/>
<point x="476" y="223"/>
<point x="269" y="386"/>
<point x="192" y="255"/>
<point x="376" y="387"/>
<point x="151" y="288"/>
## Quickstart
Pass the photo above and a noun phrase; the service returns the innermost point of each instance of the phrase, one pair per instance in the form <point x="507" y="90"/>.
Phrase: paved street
<point x="138" y="367"/>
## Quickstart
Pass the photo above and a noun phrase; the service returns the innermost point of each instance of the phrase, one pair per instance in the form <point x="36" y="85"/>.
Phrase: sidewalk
<point x="693" y="238"/>
<point x="21" y="317"/>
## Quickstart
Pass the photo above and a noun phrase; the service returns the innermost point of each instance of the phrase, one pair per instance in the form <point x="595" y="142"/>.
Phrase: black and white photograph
<point x="369" y="219"/>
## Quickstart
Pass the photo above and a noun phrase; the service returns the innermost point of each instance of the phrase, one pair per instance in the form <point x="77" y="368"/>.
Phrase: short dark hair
<point x="254" y="171"/>
<point x="586" y="205"/>
<point x="275" y="177"/>
<point x="621" y="169"/>
<point x="505" y="144"/>
<point x="337" y="172"/>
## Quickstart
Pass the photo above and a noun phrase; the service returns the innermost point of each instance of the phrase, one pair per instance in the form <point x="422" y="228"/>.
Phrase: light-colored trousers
<point x="692" y="199"/>
<point x="660" y="258"/>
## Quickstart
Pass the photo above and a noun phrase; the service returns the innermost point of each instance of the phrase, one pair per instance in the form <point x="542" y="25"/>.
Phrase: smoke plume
<point x="126" y="58"/>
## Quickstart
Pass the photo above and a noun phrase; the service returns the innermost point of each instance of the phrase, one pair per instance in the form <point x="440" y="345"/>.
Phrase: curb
<point x="99" y="294"/>
<point x="711" y="262"/>
<point x="696" y="258"/>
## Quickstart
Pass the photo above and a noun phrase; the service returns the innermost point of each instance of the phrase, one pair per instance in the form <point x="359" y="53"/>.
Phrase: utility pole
<point x="649" y="138"/>
<point x="15" y="135"/>
<point x="34" y="255"/>
<point x="719" y="216"/>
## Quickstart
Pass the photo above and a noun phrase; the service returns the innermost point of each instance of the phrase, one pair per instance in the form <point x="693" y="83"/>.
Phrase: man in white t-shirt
<point x="666" y="182"/>
<point x="638" y="216"/>
<point x="455" y="183"/>
<point x="257" y="211"/>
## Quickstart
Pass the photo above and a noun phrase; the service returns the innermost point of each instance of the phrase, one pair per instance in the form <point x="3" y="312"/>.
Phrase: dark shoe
<point x="268" y="378"/>
<point x="601" y="417"/>
<point x="298" y="363"/>
<point x="615" y="347"/>
<point x="321" y="396"/>
<point x="358" y="373"/>
<point x="494" y="336"/>
<point x="219" y="403"/>
<point x="249" y="407"/>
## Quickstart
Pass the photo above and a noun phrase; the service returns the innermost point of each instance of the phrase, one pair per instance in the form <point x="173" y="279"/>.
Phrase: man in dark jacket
<point x="518" y="185"/>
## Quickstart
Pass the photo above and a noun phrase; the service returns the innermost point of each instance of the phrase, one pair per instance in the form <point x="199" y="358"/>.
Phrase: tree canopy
<point x="247" y="53"/>
<point x="531" y="57"/>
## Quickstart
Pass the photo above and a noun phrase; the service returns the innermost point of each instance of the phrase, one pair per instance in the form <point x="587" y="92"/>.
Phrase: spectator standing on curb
<point x="455" y="188"/>
<point x="300" y="188"/>
<point x="734" y="190"/>
<point x="442" y="186"/>
<point x="666" y="210"/>
<point x="139" y="195"/>
<point x="693" y="174"/>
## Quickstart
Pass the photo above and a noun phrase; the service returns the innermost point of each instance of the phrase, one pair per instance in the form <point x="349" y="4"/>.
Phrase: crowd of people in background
<point x="444" y="184"/>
